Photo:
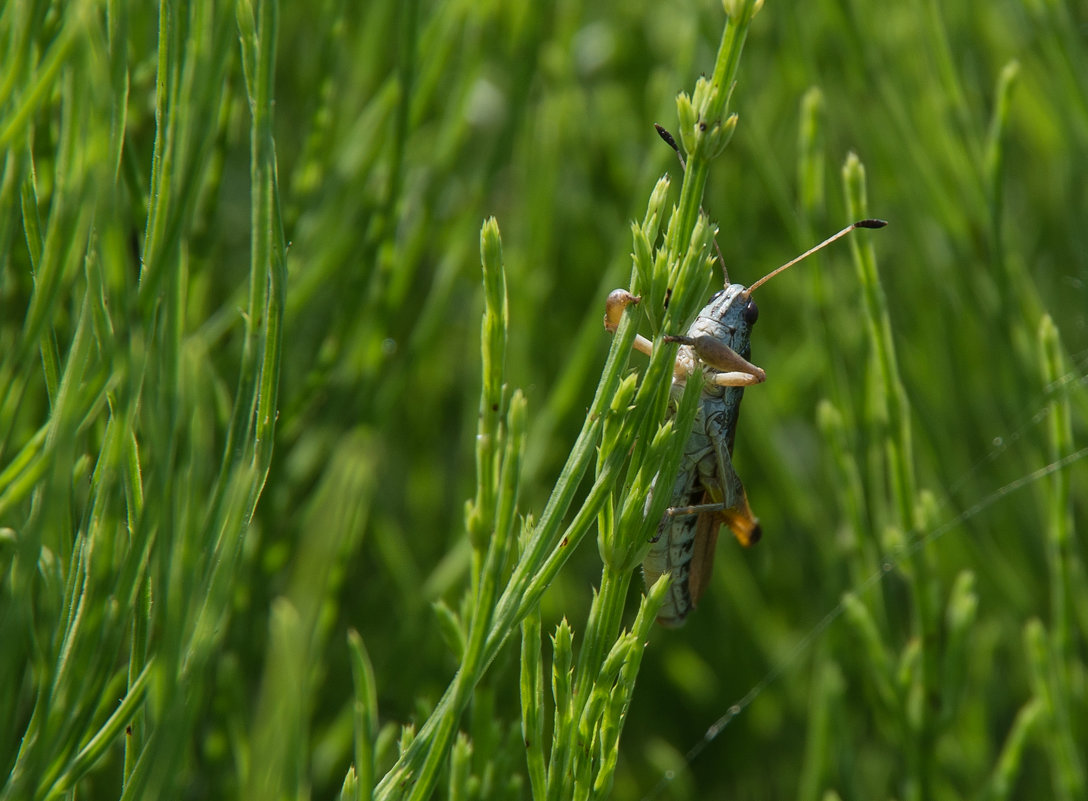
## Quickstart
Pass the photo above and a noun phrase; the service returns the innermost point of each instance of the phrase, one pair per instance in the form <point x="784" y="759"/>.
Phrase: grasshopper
<point x="707" y="492"/>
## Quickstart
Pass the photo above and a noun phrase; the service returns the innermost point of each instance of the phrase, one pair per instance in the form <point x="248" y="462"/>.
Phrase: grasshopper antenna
<point x="810" y="251"/>
<point x="667" y="137"/>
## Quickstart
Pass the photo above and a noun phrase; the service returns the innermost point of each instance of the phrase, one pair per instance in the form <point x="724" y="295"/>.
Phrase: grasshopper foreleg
<point x="736" y="370"/>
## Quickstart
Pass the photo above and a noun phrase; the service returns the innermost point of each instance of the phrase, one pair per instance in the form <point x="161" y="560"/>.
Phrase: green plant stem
<point x="604" y="621"/>
<point x="698" y="163"/>
<point x="532" y="704"/>
<point x="895" y="429"/>
<point x="1068" y="758"/>
<point x="474" y="662"/>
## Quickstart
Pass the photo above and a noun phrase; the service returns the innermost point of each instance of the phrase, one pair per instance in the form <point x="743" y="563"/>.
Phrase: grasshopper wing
<point x="741" y="522"/>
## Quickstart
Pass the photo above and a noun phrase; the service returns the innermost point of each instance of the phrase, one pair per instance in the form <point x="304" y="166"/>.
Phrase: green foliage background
<point x="151" y="347"/>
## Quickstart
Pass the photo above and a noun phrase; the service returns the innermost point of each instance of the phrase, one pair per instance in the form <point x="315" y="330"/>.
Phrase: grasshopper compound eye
<point x="751" y="312"/>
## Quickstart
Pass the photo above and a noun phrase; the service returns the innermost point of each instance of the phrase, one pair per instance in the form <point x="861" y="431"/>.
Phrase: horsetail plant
<point x="633" y="449"/>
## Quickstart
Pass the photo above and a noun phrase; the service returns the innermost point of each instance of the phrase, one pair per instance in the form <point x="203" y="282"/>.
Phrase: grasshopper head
<point x="728" y="318"/>
<point x="731" y="313"/>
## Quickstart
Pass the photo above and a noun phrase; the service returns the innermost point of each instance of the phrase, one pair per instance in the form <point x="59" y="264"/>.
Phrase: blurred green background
<point x="400" y="126"/>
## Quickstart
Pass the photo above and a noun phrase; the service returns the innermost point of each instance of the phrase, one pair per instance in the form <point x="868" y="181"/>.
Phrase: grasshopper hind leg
<point x="744" y="525"/>
<point x="735" y="513"/>
<point x="739" y="517"/>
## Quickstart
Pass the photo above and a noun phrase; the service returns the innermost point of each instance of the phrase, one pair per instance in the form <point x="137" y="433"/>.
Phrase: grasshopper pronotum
<point x="707" y="493"/>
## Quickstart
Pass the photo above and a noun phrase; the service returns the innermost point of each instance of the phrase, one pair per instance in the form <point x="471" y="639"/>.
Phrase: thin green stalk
<point x="498" y="479"/>
<point x="61" y="250"/>
<point x="460" y="768"/>
<point x="532" y="704"/>
<point x="945" y="61"/>
<point x="117" y="14"/>
<point x="563" y="719"/>
<point x="535" y="567"/>
<point x="1059" y="741"/>
<point x="862" y="552"/>
<point x="811" y="158"/>
<point x="622" y="690"/>
<point x="251" y="432"/>
<point x="899" y="461"/>
<point x="1002" y="781"/>
<point x="32" y="229"/>
<point x="268" y="247"/>
<point x="258" y="56"/>
<point x="702" y="129"/>
<point x="489" y="433"/>
<point x="1060" y="539"/>
<point x="960" y="619"/>
<point x="1068" y="759"/>
<point x="604" y="619"/>
<point x="994" y="173"/>
<point x="824" y="699"/>
<point x="45" y="78"/>
<point x="896" y="408"/>
<point x="474" y="661"/>
<point x="24" y="471"/>
<point x="160" y="193"/>
<point x="577" y="777"/>
<point x="603" y="623"/>
<point x="364" y="716"/>
<point x="107" y="734"/>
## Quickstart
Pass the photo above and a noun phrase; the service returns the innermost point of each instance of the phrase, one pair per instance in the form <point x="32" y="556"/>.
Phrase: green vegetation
<point x="244" y="379"/>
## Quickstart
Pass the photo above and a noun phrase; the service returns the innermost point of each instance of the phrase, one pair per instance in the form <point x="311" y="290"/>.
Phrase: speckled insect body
<point x="707" y="492"/>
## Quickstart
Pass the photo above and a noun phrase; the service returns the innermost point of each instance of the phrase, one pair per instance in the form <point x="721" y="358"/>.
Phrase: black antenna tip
<point x="667" y="137"/>
<point x="870" y="223"/>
